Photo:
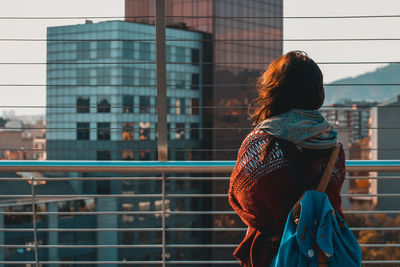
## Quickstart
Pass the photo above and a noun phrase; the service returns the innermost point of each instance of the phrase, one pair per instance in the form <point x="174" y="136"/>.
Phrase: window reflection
<point x="103" y="131"/>
<point x="103" y="106"/>
<point x="127" y="104"/>
<point x="144" y="155"/>
<point x="144" y="104"/>
<point x="180" y="106"/>
<point x="127" y="131"/>
<point x="103" y="155"/>
<point x="180" y="131"/>
<point x="144" y="130"/>
<point x="194" y="131"/>
<point x="82" y="104"/>
<point x="82" y="131"/>
<point x="194" y="106"/>
<point x="127" y="155"/>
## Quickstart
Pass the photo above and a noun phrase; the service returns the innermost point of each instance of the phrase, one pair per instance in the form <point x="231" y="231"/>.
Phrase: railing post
<point x="163" y="240"/>
<point x="34" y="220"/>
<point x="161" y="81"/>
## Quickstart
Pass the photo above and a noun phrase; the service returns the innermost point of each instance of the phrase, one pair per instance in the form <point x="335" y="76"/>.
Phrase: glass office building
<point x="101" y="105"/>
<point x="102" y="101"/>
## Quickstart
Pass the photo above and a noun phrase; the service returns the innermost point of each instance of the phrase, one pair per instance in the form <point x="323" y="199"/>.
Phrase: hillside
<point x="389" y="74"/>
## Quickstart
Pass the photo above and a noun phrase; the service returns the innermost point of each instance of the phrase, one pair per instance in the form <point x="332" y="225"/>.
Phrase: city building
<point x="351" y="115"/>
<point x="385" y="145"/>
<point x="19" y="141"/>
<point x="101" y="105"/>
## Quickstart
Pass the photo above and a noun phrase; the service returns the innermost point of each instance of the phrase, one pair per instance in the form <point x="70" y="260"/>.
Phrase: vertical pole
<point x="34" y="220"/>
<point x="161" y="81"/>
<point x="163" y="220"/>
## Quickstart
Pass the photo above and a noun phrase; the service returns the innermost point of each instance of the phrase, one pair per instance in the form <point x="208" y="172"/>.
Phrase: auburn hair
<point x="291" y="81"/>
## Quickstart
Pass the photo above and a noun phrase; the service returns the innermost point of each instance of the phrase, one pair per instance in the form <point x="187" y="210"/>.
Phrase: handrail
<point x="164" y="166"/>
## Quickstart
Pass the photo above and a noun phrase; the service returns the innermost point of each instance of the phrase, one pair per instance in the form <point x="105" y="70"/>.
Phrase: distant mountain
<point x="389" y="74"/>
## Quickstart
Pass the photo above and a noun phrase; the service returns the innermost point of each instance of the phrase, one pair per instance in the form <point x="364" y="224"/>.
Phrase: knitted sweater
<point x="263" y="193"/>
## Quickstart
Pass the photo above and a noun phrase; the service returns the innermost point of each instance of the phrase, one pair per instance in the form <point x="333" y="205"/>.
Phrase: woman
<point x="290" y="136"/>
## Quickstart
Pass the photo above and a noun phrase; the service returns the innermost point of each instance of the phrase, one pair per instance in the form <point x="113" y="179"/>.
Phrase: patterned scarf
<point x="305" y="128"/>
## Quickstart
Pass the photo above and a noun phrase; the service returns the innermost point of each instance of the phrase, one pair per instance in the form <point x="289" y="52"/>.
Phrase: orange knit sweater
<point x="263" y="193"/>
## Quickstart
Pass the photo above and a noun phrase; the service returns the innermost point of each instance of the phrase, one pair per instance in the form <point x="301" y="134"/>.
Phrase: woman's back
<point x="263" y="192"/>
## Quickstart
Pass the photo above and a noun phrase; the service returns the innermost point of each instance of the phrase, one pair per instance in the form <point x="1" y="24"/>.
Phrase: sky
<point x="293" y="29"/>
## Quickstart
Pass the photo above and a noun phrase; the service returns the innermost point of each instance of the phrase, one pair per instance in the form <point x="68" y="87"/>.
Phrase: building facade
<point x="101" y="105"/>
<point x="385" y="145"/>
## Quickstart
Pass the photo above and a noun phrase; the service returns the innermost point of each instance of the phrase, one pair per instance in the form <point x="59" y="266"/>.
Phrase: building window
<point x="195" y="81"/>
<point x="145" y="77"/>
<point x="194" y="131"/>
<point x="180" y="54"/>
<point x="180" y="106"/>
<point x="104" y="76"/>
<point x="103" y="106"/>
<point x="180" y="131"/>
<point x="83" y="77"/>
<point x="144" y="104"/>
<point x="144" y="51"/>
<point x="169" y="53"/>
<point x="82" y="131"/>
<point x="144" y="131"/>
<point x="127" y="104"/>
<point x="128" y="49"/>
<point x="128" y="76"/>
<point x="103" y="155"/>
<point x="103" y="131"/>
<point x="194" y="106"/>
<point x="144" y="155"/>
<point x="170" y="107"/>
<point x="195" y="56"/>
<point x="103" y="49"/>
<point x="180" y="80"/>
<point x="127" y="155"/>
<point x="127" y="131"/>
<point x="83" y="50"/>
<point x="82" y="104"/>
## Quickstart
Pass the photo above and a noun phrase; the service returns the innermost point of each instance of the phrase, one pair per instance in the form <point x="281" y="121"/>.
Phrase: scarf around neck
<point x="305" y="128"/>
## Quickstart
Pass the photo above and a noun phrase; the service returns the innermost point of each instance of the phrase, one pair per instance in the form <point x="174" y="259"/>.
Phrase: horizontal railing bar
<point x="22" y="213"/>
<point x="81" y="213"/>
<point x="159" y="246"/>
<point x="160" y="262"/>
<point x="82" y="262"/>
<point x="113" y="178"/>
<point x="167" y="195"/>
<point x="86" y="196"/>
<point x="167" y="229"/>
<point x="166" y="167"/>
<point x="167" y="178"/>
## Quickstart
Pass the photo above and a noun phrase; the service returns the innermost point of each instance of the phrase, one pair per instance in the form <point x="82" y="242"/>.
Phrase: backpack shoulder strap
<point x="323" y="184"/>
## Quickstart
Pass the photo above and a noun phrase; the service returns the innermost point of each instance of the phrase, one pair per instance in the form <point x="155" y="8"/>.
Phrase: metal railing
<point x="160" y="172"/>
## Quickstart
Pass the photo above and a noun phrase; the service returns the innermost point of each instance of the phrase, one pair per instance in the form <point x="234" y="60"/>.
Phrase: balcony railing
<point x="151" y="171"/>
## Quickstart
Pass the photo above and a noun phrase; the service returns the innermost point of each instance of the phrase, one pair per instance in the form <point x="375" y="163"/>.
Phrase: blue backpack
<point x="319" y="236"/>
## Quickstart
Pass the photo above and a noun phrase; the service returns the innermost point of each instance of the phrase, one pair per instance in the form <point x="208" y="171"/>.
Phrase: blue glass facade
<point x="101" y="93"/>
